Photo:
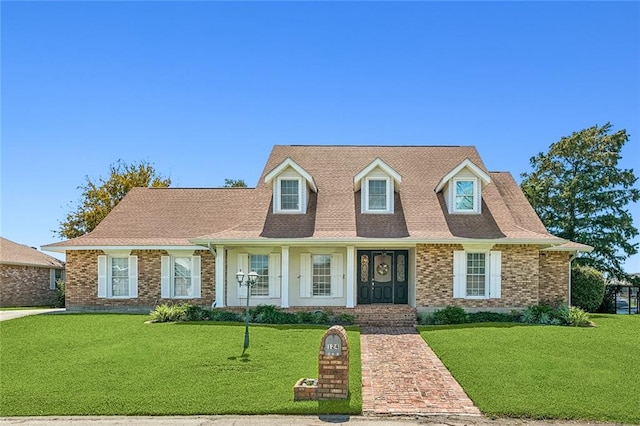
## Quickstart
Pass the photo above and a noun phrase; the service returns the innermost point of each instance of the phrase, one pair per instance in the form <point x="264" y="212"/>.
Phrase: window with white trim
<point x="321" y="275"/>
<point x="377" y="195"/>
<point x="54" y="276"/>
<point x="477" y="274"/>
<point x="289" y="194"/>
<point x="465" y="196"/>
<point x="118" y="276"/>
<point x="180" y="277"/>
<point x="260" y="264"/>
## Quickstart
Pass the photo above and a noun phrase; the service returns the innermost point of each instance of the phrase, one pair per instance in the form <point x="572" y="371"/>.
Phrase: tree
<point x="581" y="195"/>
<point x="234" y="183"/>
<point x="99" y="198"/>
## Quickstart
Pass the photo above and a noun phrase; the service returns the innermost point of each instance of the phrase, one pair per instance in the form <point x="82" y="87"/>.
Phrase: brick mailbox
<point x="333" y="369"/>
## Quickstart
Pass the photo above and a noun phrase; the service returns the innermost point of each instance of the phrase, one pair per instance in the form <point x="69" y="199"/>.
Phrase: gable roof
<point x="158" y="217"/>
<point x="12" y="253"/>
<point x="468" y="164"/>
<point x="290" y="163"/>
<point x="377" y="163"/>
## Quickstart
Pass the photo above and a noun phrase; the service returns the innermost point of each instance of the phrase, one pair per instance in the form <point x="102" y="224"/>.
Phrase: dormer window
<point x="377" y="183"/>
<point x="462" y="188"/>
<point x="291" y="186"/>
<point x="290" y="195"/>
<point x="465" y="199"/>
<point x="377" y="195"/>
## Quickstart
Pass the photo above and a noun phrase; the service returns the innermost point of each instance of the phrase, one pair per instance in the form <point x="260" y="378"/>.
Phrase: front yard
<point x="103" y="364"/>
<point x="547" y="371"/>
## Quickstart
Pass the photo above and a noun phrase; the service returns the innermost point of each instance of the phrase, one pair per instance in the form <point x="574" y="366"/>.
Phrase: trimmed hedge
<point x="587" y="288"/>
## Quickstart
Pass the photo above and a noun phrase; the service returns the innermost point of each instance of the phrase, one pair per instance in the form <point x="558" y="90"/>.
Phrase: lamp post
<point x="251" y="280"/>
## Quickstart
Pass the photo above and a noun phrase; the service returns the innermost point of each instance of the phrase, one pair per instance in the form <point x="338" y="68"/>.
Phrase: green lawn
<point x="547" y="371"/>
<point x="107" y="364"/>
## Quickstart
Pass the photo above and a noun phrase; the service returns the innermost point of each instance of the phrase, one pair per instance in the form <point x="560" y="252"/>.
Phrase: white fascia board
<point x="485" y="178"/>
<point x="357" y="179"/>
<point x="108" y="248"/>
<point x="295" y="166"/>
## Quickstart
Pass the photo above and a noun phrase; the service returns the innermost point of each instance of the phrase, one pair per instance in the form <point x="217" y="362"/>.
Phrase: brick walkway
<point x="402" y="375"/>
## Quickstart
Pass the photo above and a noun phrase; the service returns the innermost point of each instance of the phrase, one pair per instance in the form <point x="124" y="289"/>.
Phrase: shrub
<point x="576" y="317"/>
<point x="320" y="317"/>
<point x="587" y="288"/>
<point x="196" y="313"/>
<point x="608" y="304"/>
<point x="304" y="317"/>
<point x="227" y="316"/>
<point x="450" y="315"/>
<point x="341" y="319"/>
<point x="426" y="318"/>
<point x="169" y="313"/>
<point x="492" y="317"/>
<point x="60" y="297"/>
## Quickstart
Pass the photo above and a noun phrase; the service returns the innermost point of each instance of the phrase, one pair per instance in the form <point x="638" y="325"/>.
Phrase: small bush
<point x="587" y="288"/>
<point x="576" y="317"/>
<point x="492" y="317"/>
<point x="169" y="313"/>
<point x="342" y="319"/>
<point x="426" y="318"/>
<point x="320" y="317"/>
<point x="226" y="316"/>
<point x="60" y="297"/>
<point x="450" y="315"/>
<point x="196" y="313"/>
<point x="608" y="304"/>
<point x="304" y="317"/>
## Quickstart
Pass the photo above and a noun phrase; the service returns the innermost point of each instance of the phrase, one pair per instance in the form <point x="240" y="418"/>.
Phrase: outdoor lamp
<point x="252" y="277"/>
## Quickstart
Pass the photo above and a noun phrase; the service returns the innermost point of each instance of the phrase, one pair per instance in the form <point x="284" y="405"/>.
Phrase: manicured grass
<point x="106" y="364"/>
<point x="25" y="308"/>
<point x="547" y="371"/>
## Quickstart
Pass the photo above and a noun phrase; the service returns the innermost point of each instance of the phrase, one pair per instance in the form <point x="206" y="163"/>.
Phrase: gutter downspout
<point x="213" y="252"/>
<point x="571" y="259"/>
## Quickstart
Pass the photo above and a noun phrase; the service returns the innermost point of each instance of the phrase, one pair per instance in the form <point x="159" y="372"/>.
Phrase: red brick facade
<point x="82" y="281"/>
<point x="528" y="277"/>
<point x="25" y="286"/>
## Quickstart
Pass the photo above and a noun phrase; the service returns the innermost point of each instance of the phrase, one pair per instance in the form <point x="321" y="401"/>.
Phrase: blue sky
<point x="203" y="90"/>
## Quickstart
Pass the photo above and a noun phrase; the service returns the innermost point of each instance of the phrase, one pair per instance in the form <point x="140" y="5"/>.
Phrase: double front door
<point x="382" y="276"/>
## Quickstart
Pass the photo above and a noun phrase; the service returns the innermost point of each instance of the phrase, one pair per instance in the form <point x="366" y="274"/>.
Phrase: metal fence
<point x="625" y="299"/>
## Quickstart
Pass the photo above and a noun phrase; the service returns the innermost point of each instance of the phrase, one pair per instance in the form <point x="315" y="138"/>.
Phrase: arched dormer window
<point x="377" y="183"/>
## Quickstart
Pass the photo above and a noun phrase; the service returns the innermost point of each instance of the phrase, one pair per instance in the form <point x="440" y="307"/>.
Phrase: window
<point x="289" y="194"/>
<point x="260" y="264"/>
<point x="464" y="195"/>
<point x="54" y="276"/>
<point x="377" y="194"/>
<point x="118" y="276"/>
<point x="321" y="275"/>
<point x="180" y="276"/>
<point x="477" y="274"/>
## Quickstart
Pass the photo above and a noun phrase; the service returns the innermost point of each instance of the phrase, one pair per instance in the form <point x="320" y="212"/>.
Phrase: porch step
<point x="386" y="315"/>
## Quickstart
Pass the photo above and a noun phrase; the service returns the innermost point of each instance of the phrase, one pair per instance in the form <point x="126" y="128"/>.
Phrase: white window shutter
<point x="495" y="271"/>
<point x="459" y="274"/>
<point x="243" y="265"/>
<point x="274" y="274"/>
<point x="102" y="276"/>
<point x="195" y="277"/>
<point x="165" y="277"/>
<point x="337" y="275"/>
<point x="133" y="276"/>
<point x="52" y="279"/>
<point x="305" y="275"/>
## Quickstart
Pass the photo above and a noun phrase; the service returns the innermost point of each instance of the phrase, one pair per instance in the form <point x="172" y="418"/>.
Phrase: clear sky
<point x="203" y="90"/>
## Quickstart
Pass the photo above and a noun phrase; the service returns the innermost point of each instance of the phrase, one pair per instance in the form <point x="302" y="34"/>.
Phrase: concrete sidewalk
<point x="279" y="420"/>
<point x="8" y="315"/>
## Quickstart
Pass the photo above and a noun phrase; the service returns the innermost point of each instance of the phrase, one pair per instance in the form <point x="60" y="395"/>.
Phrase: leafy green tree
<point x="99" y="198"/>
<point x="581" y="195"/>
<point x="234" y="183"/>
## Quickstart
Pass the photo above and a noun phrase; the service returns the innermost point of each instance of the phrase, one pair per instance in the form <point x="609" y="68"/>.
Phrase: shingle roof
<point x="169" y="216"/>
<point x="18" y="254"/>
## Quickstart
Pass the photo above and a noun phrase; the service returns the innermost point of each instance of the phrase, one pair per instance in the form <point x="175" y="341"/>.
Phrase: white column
<point x="351" y="280"/>
<point x="220" y="272"/>
<point x="284" y="291"/>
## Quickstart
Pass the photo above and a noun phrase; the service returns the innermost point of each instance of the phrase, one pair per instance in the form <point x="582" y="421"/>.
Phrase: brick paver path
<point x="402" y="375"/>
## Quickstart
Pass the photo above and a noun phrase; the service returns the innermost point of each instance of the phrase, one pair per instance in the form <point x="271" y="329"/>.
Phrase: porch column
<point x="220" y="272"/>
<point x="351" y="281"/>
<point x="284" y="293"/>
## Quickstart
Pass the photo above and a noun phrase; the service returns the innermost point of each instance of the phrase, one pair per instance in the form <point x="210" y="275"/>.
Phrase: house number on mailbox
<point x="333" y="345"/>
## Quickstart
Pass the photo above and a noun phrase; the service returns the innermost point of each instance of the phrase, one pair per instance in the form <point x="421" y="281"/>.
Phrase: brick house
<point x="360" y="229"/>
<point x="27" y="276"/>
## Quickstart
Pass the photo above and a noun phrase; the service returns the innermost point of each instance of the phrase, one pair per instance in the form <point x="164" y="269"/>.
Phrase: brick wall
<point x="25" y="286"/>
<point x="434" y="277"/>
<point x="82" y="281"/>
<point x="554" y="276"/>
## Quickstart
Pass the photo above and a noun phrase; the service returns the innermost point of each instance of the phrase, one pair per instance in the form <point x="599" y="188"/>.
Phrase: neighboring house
<point x="27" y="276"/>
<point x="374" y="228"/>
